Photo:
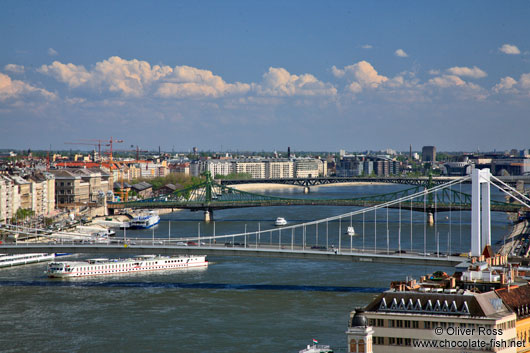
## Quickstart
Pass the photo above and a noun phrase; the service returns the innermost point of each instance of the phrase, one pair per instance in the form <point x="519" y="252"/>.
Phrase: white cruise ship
<point x="145" y="221"/>
<point x="22" y="259"/>
<point x="96" y="267"/>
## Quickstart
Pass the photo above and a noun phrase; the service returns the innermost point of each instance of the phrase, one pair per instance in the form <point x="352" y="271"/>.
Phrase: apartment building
<point x="9" y="198"/>
<point x="34" y="192"/>
<point x="279" y="169"/>
<point x="400" y="320"/>
<point x="518" y="300"/>
<point x="255" y="168"/>
<point x="309" y="168"/>
<point x="81" y="185"/>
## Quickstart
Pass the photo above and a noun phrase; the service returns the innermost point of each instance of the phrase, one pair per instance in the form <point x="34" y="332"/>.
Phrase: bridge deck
<point x="219" y="205"/>
<point x="298" y="253"/>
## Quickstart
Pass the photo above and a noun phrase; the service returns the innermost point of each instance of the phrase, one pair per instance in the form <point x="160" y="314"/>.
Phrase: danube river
<point x="236" y="304"/>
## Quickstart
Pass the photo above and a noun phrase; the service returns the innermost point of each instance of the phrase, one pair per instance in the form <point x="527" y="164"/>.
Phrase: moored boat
<point x="22" y="259"/>
<point x="316" y="348"/>
<point x="103" y="266"/>
<point x="145" y="221"/>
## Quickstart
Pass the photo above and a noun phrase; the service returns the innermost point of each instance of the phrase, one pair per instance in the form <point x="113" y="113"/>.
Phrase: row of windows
<point x="399" y="341"/>
<point x="524" y="335"/>
<point x="432" y="324"/>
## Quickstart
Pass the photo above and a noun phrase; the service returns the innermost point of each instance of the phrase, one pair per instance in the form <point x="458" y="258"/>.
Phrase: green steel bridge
<point x="210" y="195"/>
<point x="427" y="181"/>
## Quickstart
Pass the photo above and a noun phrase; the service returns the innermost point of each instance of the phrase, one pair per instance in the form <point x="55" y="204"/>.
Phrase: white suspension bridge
<point x="319" y="239"/>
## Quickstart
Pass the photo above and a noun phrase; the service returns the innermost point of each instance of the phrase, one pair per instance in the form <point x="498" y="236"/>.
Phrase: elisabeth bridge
<point x="316" y="239"/>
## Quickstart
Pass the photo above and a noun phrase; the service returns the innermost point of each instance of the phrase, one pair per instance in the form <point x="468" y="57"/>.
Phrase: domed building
<point x="359" y="333"/>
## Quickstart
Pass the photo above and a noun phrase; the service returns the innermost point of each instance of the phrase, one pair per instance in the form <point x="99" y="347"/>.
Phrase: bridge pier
<point x="208" y="216"/>
<point x="430" y="218"/>
<point x="306" y="190"/>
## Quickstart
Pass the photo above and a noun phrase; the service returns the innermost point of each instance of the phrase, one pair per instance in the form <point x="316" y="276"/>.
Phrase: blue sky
<point x="264" y="75"/>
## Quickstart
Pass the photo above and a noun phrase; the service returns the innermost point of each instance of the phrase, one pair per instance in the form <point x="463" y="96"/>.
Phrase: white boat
<point x="145" y="221"/>
<point x="280" y="221"/>
<point x="350" y="231"/>
<point x="317" y="348"/>
<point x="101" y="266"/>
<point x="22" y="259"/>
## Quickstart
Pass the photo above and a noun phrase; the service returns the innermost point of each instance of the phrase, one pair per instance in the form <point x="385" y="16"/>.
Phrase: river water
<point x="235" y="305"/>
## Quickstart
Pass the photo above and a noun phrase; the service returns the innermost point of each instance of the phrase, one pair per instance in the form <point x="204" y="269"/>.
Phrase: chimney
<point x="288" y="152"/>
<point x="452" y="283"/>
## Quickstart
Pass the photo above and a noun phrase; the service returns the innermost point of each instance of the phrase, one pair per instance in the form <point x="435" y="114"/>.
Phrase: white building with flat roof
<point x="309" y="168"/>
<point x="279" y="169"/>
<point x="255" y="168"/>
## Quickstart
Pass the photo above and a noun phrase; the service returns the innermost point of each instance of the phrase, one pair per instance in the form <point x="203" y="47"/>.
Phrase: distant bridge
<point x="307" y="182"/>
<point x="210" y="195"/>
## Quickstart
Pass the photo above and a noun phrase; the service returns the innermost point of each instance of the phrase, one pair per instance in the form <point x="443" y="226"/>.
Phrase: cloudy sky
<point x="264" y="75"/>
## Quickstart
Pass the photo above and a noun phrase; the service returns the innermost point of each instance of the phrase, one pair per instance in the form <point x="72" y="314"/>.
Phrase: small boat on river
<point x="280" y="221"/>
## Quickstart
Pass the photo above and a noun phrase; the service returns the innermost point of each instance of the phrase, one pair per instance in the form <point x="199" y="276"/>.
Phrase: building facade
<point x="428" y="153"/>
<point x="404" y="321"/>
<point x="279" y="169"/>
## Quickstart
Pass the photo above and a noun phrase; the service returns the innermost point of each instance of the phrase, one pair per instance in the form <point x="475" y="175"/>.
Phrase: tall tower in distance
<point x="428" y="153"/>
<point x="288" y="152"/>
<point x="410" y="152"/>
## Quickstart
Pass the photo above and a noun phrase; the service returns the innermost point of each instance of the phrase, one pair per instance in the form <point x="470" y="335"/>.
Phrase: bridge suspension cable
<point x="374" y="209"/>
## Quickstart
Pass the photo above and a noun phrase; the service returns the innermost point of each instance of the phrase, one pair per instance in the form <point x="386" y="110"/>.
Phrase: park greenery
<point x="234" y="176"/>
<point x="181" y="180"/>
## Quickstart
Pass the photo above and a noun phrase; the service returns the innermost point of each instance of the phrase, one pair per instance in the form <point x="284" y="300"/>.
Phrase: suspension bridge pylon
<point x="480" y="210"/>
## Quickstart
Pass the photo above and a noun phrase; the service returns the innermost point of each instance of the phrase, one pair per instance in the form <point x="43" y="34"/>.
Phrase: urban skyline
<point x="250" y="76"/>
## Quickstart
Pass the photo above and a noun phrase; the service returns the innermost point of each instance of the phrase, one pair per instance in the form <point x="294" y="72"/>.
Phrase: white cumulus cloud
<point x="72" y="75"/>
<point x="445" y="81"/>
<point x="362" y="75"/>
<point x="15" y="89"/>
<point x="509" y="49"/>
<point x="510" y="85"/>
<point x="401" y="53"/>
<point x="186" y="81"/>
<point x="17" y="69"/>
<point x="506" y="83"/>
<point x="279" y="82"/>
<point x="524" y="81"/>
<point x="137" y="78"/>
<point x="473" y="72"/>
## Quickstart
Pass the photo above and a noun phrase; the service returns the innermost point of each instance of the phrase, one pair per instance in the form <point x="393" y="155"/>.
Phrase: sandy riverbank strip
<point x="266" y="186"/>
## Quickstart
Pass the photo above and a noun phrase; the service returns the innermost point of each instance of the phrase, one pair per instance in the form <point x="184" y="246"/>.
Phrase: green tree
<point x="23" y="213"/>
<point x="234" y="176"/>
